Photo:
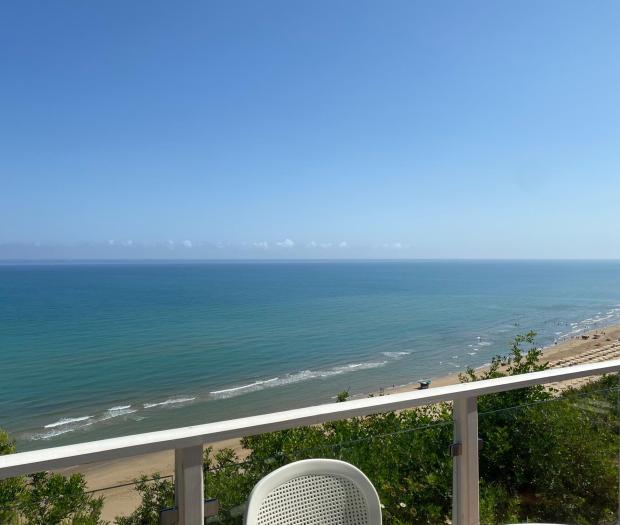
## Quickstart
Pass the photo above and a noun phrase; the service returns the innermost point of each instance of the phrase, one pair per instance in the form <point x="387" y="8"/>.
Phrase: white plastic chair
<point x="314" y="492"/>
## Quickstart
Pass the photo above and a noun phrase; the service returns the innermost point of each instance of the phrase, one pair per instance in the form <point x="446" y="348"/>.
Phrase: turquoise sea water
<point x="98" y="350"/>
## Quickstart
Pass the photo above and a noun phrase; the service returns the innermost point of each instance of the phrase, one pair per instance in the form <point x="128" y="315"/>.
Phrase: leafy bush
<point x="49" y="499"/>
<point x="53" y="499"/>
<point x="551" y="456"/>
<point x="10" y="489"/>
<point x="157" y="495"/>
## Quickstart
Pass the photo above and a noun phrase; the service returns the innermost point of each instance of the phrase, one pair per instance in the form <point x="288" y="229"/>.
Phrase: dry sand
<point x="599" y="345"/>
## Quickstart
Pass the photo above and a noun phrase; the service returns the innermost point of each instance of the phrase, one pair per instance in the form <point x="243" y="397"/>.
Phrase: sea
<point x="102" y="349"/>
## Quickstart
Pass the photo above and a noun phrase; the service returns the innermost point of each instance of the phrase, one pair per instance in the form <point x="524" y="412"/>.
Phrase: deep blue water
<point x="97" y="350"/>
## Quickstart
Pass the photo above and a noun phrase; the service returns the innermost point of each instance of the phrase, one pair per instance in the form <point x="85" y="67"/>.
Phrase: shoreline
<point x="596" y="345"/>
<point x="600" y="344"/>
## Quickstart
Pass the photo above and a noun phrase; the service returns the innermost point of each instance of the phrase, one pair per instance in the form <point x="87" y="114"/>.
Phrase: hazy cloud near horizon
<point x="187" y="249"/>
<point x="192" y="250"/>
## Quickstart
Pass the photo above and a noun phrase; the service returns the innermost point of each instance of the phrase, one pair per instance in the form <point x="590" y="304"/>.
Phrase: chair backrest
<point x="313" y="492"/>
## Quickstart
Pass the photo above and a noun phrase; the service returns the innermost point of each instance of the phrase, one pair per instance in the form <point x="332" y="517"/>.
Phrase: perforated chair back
<point x="314" y="492"/>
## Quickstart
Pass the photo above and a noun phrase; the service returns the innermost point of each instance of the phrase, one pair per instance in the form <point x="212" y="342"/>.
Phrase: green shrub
<point x="49" y="499"/>
<point x="53" y="499"/>
<point x="157" y="494"/>
<point x="10" y="489"/>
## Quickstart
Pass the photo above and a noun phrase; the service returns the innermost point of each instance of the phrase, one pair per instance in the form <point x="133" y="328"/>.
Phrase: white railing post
<point x="465" y="479"/>
<point x="189" y="485"/>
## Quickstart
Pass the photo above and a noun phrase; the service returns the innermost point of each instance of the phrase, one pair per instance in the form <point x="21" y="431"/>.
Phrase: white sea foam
<point x="471" y="353"/>
<point x="119" y="408"/>
<point x="117" y="412"/>
<point x="297" y="377"/>
<point x="67" y="421"/>
<point x="175" y="401"/>
<point x="52" y="433"/>
<point x="484" y="343"/>
<point x="396" y="355"/>
<point x="244" y="387"/>
<point x="62" y="426"/>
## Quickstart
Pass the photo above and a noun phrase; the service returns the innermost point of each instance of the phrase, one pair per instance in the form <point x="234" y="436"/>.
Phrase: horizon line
<point x="17" y="261"/>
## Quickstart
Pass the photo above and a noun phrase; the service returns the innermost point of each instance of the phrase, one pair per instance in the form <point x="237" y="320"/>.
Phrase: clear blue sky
<point x="310" y="129"/>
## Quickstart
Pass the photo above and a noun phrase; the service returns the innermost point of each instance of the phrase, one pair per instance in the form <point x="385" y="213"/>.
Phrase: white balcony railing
<point x="188" y="442"/>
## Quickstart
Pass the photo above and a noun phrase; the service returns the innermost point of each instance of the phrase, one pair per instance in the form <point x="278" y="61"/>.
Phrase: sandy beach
<point x="597" y="345"/>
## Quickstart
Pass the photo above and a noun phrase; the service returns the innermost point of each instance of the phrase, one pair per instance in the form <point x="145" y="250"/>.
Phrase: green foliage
<point x="10" y="489"/>
<point x="52" y="499"/>
<point x="342" y="396"/>
<point x="546" y="457"/>
<point x="519" y="360"/>
<point x="497" y="504"/>
<point x="49" y="499"/>
<point x="157" y="494"/>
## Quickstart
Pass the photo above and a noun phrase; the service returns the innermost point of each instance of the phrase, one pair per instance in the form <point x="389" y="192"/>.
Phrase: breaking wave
<point x="175" y="401"/>
<point x="304" y="375"/>
<point x="67" y="421"/>
<point x="297" y="377"/>
<point x="71" y="424"/>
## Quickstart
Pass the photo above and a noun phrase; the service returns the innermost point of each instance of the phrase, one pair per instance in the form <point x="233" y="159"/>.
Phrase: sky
<point x="323" y="129"/>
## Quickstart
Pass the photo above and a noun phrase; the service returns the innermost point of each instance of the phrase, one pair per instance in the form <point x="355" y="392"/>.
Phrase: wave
<point x="70" y="424"/>
<point x="119" y="408"/>
<point x="589" y="323"/>
<point x="117" y="411"/>
<point x="297" y="377"/>
<point x="244" y="387"/>
<point x="52" y="433"/>
<point x="62" y="426"/>
<point x="175" y="401"/>
<point x="67" y="421"/>
<point x="484" y="343"/>
<point x="395" y="355"/>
